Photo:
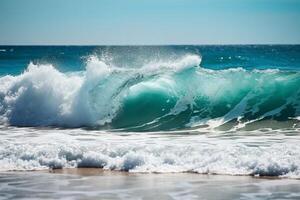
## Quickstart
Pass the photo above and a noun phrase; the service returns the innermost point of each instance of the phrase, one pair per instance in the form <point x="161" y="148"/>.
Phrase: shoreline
<point x="97" y="183"/>
<point x="92" y="171"/>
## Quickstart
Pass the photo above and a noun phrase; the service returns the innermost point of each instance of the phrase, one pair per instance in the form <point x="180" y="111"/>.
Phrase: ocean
<point x="230" y="110"/>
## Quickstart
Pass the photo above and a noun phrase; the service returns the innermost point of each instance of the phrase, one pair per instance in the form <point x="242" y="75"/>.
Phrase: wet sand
<point x="92" y="183"/>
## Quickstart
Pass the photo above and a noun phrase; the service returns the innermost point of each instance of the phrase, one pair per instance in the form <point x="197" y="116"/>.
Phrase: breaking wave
<point x="161" y="95"/>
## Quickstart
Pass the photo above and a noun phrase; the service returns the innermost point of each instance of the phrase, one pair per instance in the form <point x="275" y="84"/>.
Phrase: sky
<point x="148" y="22"/>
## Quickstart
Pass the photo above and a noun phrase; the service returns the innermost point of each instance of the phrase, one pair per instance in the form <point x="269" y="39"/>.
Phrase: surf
<point x="166" y="94"/>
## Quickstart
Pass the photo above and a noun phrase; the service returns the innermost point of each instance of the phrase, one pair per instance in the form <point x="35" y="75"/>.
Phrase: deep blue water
<point x="15" y="59"/>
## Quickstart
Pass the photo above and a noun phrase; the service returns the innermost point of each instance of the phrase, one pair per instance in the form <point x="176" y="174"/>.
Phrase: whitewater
<point x="163" y="114"/>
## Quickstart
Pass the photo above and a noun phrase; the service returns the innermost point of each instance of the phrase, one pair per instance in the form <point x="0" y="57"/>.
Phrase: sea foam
<point x="247" y="155"/>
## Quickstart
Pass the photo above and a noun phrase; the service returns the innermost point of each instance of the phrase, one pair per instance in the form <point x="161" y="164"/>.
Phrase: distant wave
<point x="161" y="95"/>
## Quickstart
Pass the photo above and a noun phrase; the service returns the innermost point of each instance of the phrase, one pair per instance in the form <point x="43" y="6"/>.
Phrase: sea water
<point x="231" y="110"/>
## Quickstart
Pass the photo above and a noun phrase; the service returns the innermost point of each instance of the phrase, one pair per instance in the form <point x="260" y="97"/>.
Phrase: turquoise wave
<point x="161" y="95"/>
<point x="198" y="98"/>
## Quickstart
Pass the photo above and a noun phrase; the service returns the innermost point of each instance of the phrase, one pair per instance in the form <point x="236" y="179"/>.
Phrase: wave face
<point x="160" y="95"/>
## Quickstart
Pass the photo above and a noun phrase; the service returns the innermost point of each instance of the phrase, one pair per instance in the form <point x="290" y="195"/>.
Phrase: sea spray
<point x="165" y="95"/>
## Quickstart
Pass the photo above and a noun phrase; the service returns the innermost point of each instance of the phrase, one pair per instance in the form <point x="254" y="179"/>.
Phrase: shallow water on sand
<point x="77" y="184"/>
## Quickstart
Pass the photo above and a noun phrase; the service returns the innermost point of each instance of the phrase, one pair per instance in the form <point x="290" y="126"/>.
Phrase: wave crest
<point x="161" y="95"/>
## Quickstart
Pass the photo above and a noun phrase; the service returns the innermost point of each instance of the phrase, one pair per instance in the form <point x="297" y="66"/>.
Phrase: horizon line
<point x="212" y="44"/>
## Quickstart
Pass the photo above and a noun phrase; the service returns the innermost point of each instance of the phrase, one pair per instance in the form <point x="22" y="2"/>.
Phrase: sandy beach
<point x="92" y="183"/>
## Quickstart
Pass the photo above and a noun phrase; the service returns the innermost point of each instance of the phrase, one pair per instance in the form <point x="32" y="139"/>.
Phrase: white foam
<point x="271" y="155"/>
<point x="40" y="96"/>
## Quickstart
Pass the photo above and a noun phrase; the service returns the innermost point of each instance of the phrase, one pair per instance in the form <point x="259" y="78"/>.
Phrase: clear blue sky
<point x="149" y="21"/>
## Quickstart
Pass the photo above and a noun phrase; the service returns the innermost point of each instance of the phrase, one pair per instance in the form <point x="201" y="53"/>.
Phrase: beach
<point x="92" y="183"/>
<point x="150" y="122"/>
<point x="150" y="100"/>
